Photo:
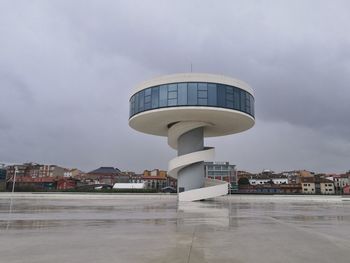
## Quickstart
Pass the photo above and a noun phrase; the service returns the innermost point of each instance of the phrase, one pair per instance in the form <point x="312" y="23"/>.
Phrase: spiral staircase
<point x="207" y="188"/>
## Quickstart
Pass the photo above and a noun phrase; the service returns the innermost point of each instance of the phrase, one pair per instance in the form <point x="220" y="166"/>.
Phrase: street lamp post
<point x="13" y="190"/>
<point x="14" y="180"/>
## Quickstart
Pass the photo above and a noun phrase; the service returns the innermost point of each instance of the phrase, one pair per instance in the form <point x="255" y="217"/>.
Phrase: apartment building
<point x="340" y="181"/>
<point x="223" y="171"/>
<point x="326" y="187"/>
<point x="2" y="177"/>
<point x="308" y="185"/>
<point x="155" y="179"/>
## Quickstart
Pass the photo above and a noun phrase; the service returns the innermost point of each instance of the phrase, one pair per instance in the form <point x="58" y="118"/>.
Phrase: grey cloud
<point x="69" y="68"/>
<point x="4" y="123"/>
<point x="14" y="88"/>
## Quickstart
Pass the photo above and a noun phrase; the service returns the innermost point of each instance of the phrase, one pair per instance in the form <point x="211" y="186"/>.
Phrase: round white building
<point x="186" y="108"/>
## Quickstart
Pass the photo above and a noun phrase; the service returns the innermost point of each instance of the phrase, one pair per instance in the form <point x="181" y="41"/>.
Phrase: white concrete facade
<point x="308" y="188"/>
<point x="339" y="181"/>
<point x="327" y="188"/>
<point x="219" y="121"/>
<point x="129" y="186"/>
<point x="265" y="181"/>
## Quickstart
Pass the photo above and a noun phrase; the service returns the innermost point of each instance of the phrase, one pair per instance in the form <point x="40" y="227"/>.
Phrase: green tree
<point x="243" y="181"/>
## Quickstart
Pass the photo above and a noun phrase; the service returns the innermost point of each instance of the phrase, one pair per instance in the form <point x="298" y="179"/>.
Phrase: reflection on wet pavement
<point x="101" y="228"/>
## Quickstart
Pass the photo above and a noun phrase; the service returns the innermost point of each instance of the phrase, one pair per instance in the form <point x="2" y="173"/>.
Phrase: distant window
<point x="229" y="97"/>
<point x="148" y="92"/>
<point x="243" y="101"/>
<point x="172" y="87"/>
<point x="192" y="93"/>
<point x="221" y="95"/>
<point x="163" y="95"/>
<point x="236" y="99"/>
<point x="172" y="95"/>
<point x="182" y="94"/>
<point x="172" y="102"/>
<point x="212" y="95"/>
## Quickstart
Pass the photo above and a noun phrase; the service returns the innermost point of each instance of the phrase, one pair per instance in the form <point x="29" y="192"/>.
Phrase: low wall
<point x="39" y="195"/>
<point x="283" y="198"/>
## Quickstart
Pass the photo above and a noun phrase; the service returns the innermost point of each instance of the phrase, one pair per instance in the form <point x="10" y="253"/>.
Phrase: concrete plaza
<point x="153" y="228"/>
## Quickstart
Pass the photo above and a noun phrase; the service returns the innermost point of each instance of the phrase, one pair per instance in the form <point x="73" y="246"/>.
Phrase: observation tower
<point x="186" y="108"/>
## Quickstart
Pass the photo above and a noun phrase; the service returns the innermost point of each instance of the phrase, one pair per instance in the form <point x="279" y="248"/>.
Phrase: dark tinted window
<point x="155" y="97"/>
<point x="182" y="93"/>
<point x="236" y="98"/>
<point x="212" y="94"/>
<point x="141" y="100"/>
<point x="221" y="95"/>
<point x="163" y="96"/>
<point x="243" y="102"/>
<point x="192" y="93"/>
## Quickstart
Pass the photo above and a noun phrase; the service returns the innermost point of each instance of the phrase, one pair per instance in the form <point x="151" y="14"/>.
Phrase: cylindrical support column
<point x="192" y="176"/>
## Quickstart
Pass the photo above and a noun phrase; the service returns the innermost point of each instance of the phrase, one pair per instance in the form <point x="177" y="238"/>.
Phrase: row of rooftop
<point x="33" y="176"/>
<point x="49" y="177"/>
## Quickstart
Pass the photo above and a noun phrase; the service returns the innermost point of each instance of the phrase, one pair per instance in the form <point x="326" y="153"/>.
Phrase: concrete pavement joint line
<point x="341" y="243"/>
<point x="189" y="253"/>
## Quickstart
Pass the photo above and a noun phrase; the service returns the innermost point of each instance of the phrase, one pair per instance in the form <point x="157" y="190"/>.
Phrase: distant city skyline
<point x="7" y="164"/>
<point x="67" y="70"/>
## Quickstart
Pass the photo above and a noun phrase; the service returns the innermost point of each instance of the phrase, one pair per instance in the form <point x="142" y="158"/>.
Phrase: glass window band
<point x="192" y="94"/>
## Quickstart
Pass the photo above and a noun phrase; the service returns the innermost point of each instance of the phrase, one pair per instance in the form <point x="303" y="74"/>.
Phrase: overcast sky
<point x="67" y="69"/>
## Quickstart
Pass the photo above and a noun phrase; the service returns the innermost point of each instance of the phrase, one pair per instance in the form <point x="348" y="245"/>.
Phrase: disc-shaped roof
<point x="194" y="77"/>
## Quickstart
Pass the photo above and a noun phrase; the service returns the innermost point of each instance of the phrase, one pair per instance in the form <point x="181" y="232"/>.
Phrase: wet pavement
<point x="152" y="228"/>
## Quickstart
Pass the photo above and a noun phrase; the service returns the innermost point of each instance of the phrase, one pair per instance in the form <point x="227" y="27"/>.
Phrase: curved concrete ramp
<point x="212" y="188"/>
